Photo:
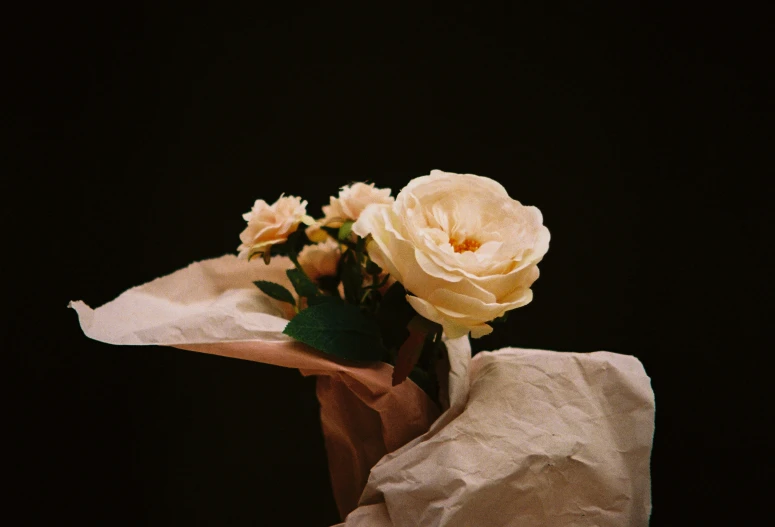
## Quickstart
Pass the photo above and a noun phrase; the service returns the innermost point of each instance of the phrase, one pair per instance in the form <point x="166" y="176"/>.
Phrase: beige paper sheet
<point x="214" y="307"/>
<point x="544" y="439"/>
<point x="531" y="437"/>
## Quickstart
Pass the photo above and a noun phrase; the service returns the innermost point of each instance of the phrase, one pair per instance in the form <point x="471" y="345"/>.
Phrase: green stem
<point x="294" y="257"/>
<point x="365" y="295"/>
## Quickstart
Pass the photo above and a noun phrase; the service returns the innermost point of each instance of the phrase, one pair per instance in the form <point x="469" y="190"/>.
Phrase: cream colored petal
<point x="488" y="250"/>
<point x="503" y="286"/>
<point x="453" y="323"/>
<point x="439" y="181"/>
<point x="464" y="320"/>
<point x="350" y="209"/>
<point x="480" y="331"/>
<point x="425" y="309"/>
<point x="433" y="269"/>
<point x="415" y="280"/>
<point x="398" y="254"/>
<point x="456" y="283"/>
<point x="380" y="258"/>
<point x="482" y="274"/>
<point x="473" y="308"/>
<point x="518" y="298"/>
<point x="369" y="222"/>
<point x="372" y="221"/>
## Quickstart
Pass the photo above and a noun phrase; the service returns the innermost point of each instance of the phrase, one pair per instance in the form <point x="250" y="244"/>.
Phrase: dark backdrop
<point x="141" y="134"/>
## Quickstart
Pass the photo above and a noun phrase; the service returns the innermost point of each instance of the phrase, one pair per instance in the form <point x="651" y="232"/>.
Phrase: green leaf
<point x="302" y="284"/>
<point x="339" y="329"/>
<point x="345" y="230"/>
<point x="323" y="299"/>
<point x="275" y="291"/>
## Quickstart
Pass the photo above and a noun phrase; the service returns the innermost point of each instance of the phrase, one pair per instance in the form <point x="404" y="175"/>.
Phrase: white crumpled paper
<point x="531" y="438"/>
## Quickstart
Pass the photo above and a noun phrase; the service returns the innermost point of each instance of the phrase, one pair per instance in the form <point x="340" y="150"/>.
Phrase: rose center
<point x="466" y="245"/>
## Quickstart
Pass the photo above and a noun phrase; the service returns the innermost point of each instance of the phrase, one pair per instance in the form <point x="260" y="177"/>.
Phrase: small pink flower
<point x="271" y="224"/>
<point x="321" y="259"/>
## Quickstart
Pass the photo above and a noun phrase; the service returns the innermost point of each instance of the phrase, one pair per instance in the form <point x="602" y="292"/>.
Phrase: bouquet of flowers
<point x="378" y="279"/>
<point x="378" y="298"/>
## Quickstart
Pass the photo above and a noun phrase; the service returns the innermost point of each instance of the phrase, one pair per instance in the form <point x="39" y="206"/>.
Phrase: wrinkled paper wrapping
<point x="530" y="437"/>
<point x="542" y="439"/>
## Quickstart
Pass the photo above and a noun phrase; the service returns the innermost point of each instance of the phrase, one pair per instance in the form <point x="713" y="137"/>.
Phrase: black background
<point x="138" y="135"/>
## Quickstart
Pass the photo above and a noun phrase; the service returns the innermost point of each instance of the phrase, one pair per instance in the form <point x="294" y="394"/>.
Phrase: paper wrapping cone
<point x="530" y="438"/>
<point x="214" y="307"/>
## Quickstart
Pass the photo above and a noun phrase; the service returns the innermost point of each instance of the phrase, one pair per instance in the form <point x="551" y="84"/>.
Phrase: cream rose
<point x="352" y="200"/>
<point x="461" y="246"/>
<point x="321" y="259"/>
<point x="271" y="224"/>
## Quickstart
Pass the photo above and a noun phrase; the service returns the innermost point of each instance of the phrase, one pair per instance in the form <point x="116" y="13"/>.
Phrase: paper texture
<point x="544" y="439"/>
<point x="214" y="307"/>
<point x="530" y="438"/>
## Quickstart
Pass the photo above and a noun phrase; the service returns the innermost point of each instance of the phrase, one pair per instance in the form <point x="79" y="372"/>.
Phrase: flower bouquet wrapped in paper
<point x="377" y="299"/>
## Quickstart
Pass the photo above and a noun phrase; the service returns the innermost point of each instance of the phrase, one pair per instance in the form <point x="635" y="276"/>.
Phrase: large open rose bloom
<point x="463" y="248"/>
